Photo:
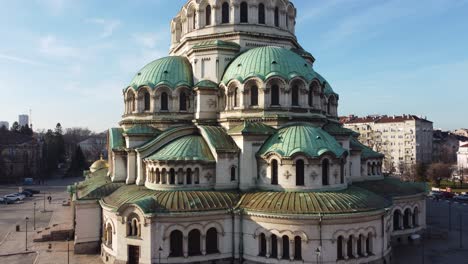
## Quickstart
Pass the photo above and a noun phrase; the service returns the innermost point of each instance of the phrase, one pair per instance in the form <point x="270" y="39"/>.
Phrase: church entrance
<point x="133" y="254"/>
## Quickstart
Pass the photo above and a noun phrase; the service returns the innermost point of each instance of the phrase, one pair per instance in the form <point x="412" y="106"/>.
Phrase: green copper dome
<point x="172" y="71"/>
<point x="191" y="147"/>
<point x="301" y="138"/>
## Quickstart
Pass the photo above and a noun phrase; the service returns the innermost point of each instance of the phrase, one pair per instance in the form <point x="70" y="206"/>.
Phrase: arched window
<point x="275" y="95"/>
<point x="196" y="176"/>
<point x="164" y="102"/>
<point x="194" y="248"/>
<point x="225" y="13"/>
<point x="194" y="22"/>
<point x="183" y="102"/>
<point x="163" y="176"/>
<point x="176" y="244"/>
<point x="369" y="244"/>
<point x="342" y="172"/>
<point x="147" y="101"/>
<point x="244" y="12"/>
<point x="274" y="172"/>
<point x="350" y="246"/>
<point x="325" y="171"/>
<point x="300" y="172"/>
<point x="158" y="176"/>
<point x="108" y="235"/>
<point x="254" y="96"/>
<point x="262" y="245"/>
<point x="285" y="247"/>
<point x="274" y="246"/>
<point x="359" y="246"/>
<point x="310" y="97"/>
<point x="212" y="241"/>
<point x="415" y="217"/>
<point x="208" y="15"/>
<point x="407" y="218"/>
<point x="261" y="14"/>
<point x="133" y="226"/>
<point x="339" y="248"/>
<point x="295" y="95"/>
<point x="276" y="17"/>
<point x="297" y="248"/>
<point x="189" y="176"/>
<point x="171" y="176"/>
<point x="396" y="220"/>
<point x="236" y="94"/>
<point x="233" y="173"/>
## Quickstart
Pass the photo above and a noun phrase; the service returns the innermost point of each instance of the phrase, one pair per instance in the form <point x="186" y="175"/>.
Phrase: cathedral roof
<point x="192" y="147"/>
<point x="248" y="127"/>
<point x="301" y="139"/>
<point x="173" y="71"/>
<point x="142" y="130"/>
<point x="350" y="200"/>
<point x="116" y="140"/>
<point x="390" y="187"/>
<point x="99" y="165"/>
<point x="217" y="44"/>
<point x="151" y="201"/>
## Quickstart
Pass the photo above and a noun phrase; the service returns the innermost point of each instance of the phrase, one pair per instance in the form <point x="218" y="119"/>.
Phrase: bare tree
<point x="438" y="171"/>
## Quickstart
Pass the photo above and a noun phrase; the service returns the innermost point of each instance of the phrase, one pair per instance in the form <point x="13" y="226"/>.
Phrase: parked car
<point x="26" y="193"/>
<point x="461" y="198"/>
<point x="435" y="194"/>
<point x="33" y="191"/>
<point x="447" y="195"/>
<point x="13" y="197"/>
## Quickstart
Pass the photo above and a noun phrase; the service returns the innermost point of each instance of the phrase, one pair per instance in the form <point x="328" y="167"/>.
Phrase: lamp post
<point x="34" y="216"/>
<point x="68" y="250"/>
<point x="160" y="250"/>
<point x="26" y="237"/>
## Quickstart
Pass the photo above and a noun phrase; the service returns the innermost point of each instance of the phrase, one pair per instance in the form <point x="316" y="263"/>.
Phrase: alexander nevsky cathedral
<point x="230" y="151"/>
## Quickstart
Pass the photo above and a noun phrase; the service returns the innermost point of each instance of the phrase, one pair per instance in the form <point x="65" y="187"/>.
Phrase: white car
<point x="14" y="197"/>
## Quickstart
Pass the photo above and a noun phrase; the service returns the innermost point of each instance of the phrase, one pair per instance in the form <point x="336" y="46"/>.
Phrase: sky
<point x="69" y="60"/>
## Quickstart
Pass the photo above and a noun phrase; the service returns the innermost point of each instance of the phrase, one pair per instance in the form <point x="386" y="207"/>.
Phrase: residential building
<point x="461" y="132"/>
<point x="230" y="150"/>
<point x="462" y="156"/>
<point x="405" y="140"/>
<point x="445" y="146"/>
<point x="23" y="120"/>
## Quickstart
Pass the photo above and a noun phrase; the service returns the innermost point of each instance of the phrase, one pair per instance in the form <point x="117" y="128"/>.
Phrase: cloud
<point x="20" y="60"/>
<point x="49" y="45"/>
<point x="108" y="26"/>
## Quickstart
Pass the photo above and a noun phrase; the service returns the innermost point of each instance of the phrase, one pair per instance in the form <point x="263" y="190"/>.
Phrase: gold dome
<point x="99" y="165"/>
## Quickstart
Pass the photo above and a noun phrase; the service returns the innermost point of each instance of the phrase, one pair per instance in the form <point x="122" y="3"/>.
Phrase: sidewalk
<point x="13" y="247"/>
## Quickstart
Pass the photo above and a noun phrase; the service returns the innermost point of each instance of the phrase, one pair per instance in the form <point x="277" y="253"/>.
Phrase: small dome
<point x="99" y="165"/>
<point x="191" y="147"/>
<point x="172" y="71"/>
<point x="301" y="138"/>
<point x="268" y="61"/>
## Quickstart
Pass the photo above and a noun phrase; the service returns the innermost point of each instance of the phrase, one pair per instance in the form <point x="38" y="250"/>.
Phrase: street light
<point x="34" y="213"/>
<point x="160" y="250"/>
<point x="26" y="237"/>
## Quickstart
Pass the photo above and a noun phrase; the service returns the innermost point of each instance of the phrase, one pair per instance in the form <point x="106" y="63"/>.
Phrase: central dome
<point x="269" y="61"/>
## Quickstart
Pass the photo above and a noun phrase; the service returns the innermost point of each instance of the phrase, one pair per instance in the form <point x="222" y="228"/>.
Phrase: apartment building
<point x="404" y="140"/>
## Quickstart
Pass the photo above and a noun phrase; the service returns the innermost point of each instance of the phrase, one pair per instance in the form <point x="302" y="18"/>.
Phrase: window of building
<point x="212" y="241"/>
<point x="300" y="173"/>
<point x="194" y="248"/>
<point x="225" y="13"/>
<point x="297" y="248"/>
<point x="164" y="102"/>
<point x="194" y="22"/>
<point x="339" y="248"/>
<point x="244" y="12"/>
<point x="325" y="171"/>
<point x="189" y="176"/>
<point x="236" y="100"/>
<point x="233" y="173"/>
<point x="274" y="246"/>
<point x="276" y="17"/>
<point x="295" y="95"/>
<point x="274" y="172"/>
<point x="133" y="226"/>
<point x="208" y="15"/>
<point x="285" y="247"/>
<point x="254" y="96"/>
<point x="183" y="102"/>
<point x="275" y="95"/>
<point x="262" y="245"/>
<point x="261" y="14"/>
<point x="172" y="176"/>
<point x="176" y="244"/>
<point x="147" y="101"/>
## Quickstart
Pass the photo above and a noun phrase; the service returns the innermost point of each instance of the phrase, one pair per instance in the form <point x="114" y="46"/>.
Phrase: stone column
<point x="291" y="250"/>
<point x="279" y="240"/>
<point x="363" y="246"/>
<point x="185" y="247"/>
<point x="203" y="245"/>
<point x="268" y="247"/>
<point x="410" y="220"/>
<point x="401" y="216"/>
<point x="345" y="248"/>
<point x="354" y="247"/>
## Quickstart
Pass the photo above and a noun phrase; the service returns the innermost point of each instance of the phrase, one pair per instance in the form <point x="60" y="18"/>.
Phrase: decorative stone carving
<point x="287" y="174"/>
<point x="208" y="176"/>
<point x="212" y="103"/>
<point x="313" y="175"/>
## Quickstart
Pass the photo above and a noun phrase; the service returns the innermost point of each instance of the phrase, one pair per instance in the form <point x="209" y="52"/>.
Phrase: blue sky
<point x="68" y="60"/>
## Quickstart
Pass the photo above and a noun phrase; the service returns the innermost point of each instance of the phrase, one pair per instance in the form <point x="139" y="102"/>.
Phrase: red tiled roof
<point x="380" y="119"/>
<point x="464" y="146"/>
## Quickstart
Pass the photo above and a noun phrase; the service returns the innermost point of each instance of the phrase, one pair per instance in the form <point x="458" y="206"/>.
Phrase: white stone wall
<point x="462" y="156"/>
<point x="87" y="219"/>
